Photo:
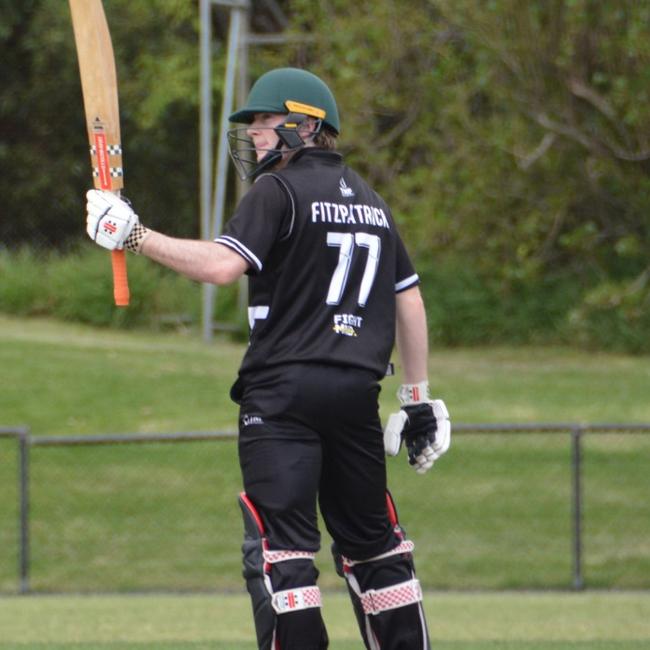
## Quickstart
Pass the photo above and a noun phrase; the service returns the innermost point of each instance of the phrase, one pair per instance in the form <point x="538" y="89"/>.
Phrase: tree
<point x="511" y="138"/>
<point x="511" y="134"/>
<point x="44" y="162"/>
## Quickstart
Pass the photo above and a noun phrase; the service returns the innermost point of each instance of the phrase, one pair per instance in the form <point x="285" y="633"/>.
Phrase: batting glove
<point x="112" y="223"/>
<point x="423" y="424"/>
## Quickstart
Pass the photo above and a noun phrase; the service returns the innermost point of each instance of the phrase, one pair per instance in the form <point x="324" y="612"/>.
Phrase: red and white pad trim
<point x="405" y="546"/>
<point x="273" y="557"/>
<point x="375" y="601"/>
<point x="293" y="600"/>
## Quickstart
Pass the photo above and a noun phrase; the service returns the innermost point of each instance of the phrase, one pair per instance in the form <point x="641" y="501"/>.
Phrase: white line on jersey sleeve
<point x="237" y="246"/>
<point x="259" y="312"/>
<point x="407" y="283"/>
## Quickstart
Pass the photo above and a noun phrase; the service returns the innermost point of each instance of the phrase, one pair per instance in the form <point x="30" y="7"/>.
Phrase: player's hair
<point x="326" y="139"/>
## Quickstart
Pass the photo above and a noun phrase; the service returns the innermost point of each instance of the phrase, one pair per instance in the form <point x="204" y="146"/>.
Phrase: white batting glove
<point x="422" y="423"/>
<point x="110" y="220"/>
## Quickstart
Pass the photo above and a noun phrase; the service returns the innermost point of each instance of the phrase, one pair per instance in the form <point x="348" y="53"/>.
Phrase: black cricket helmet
<point x="298" y="94"/>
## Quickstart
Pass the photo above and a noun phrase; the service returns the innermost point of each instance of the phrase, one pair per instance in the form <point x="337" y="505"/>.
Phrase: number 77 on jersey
<point x="99" y="89"/>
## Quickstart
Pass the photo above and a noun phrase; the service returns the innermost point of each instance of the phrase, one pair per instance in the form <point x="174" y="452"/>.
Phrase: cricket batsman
<point x="331" y="291"/>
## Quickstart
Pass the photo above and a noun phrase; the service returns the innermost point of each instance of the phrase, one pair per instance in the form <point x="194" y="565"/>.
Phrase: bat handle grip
<point x="120" y="280"/>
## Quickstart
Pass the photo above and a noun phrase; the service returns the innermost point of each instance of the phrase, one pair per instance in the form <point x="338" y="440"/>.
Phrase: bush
<point x="23" y="283"/>
<point x="614" y="316"/>
<point x="78" y="286"/>
<point x="466" y="308"/>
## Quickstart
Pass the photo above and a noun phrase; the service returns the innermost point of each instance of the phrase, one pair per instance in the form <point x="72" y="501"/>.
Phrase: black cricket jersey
<point x="325" y="262"/>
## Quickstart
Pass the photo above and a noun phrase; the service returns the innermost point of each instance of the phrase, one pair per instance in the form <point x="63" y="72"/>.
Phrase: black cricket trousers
<point x="311" y="434"/>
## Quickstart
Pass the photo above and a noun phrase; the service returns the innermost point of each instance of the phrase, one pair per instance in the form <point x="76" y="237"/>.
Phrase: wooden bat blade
<point x="99" y="89"/>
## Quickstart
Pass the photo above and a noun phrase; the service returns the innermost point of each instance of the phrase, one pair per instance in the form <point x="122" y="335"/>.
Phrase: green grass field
<point x="499" y="508"/>
<point x="479" y="621"/>
<point x="498" y="504"/>
<point x="69" y="379"/>
<point x="493" y="515"/>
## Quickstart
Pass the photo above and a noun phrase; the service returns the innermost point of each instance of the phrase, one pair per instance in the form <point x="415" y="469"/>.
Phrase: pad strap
<point x="375" y="601"/>
<point x="293" y="600"/>
<point x="273" y="557"/>
<point x="406" y="546"/>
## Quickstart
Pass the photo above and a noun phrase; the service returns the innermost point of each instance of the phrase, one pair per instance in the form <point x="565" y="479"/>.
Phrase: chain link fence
<point x="510" y="507"/>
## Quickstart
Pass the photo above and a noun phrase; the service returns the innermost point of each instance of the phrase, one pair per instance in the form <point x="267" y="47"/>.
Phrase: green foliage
<point x="44" y="162"/>
<point x="615" y="316"/>
<point x="512" y="141"/>
<point x="510" y="138"/>
<point x="466" y="308"/>
<point x="78" y="286"/>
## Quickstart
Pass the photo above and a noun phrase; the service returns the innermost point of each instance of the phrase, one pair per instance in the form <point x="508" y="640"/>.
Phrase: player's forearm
<point x="412" y="336"/>
<point x="203" y="261"/>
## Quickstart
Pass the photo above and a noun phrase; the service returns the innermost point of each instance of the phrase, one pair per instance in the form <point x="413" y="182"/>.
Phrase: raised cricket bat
<point x="99" y="88"/>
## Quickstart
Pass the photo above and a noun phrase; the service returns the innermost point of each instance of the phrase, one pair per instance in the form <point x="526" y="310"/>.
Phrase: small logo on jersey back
<point x="347" y="324"/>
<point x="345" y="190"/>
<point x="249" y="420"/>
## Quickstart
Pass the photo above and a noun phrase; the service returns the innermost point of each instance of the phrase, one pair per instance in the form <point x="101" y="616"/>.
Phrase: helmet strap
<point x="288" y="131"/>
<point x="272" y="156"/>
<point x="289" y="137"/>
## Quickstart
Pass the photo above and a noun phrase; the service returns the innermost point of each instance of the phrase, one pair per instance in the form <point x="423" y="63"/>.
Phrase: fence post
<point x="23" y="491"/>
<point x="576" y="462"/>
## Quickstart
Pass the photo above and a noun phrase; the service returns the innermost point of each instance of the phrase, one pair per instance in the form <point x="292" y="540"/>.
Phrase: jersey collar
<point x="315" y="152"/>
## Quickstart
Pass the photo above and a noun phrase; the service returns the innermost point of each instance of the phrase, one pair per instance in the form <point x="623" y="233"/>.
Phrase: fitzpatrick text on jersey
<point x="356" y="213"/>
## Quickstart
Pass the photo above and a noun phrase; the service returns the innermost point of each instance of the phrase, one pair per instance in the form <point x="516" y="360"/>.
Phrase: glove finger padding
<point x="424" y="461"/>
<point x="109" y="219"/>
